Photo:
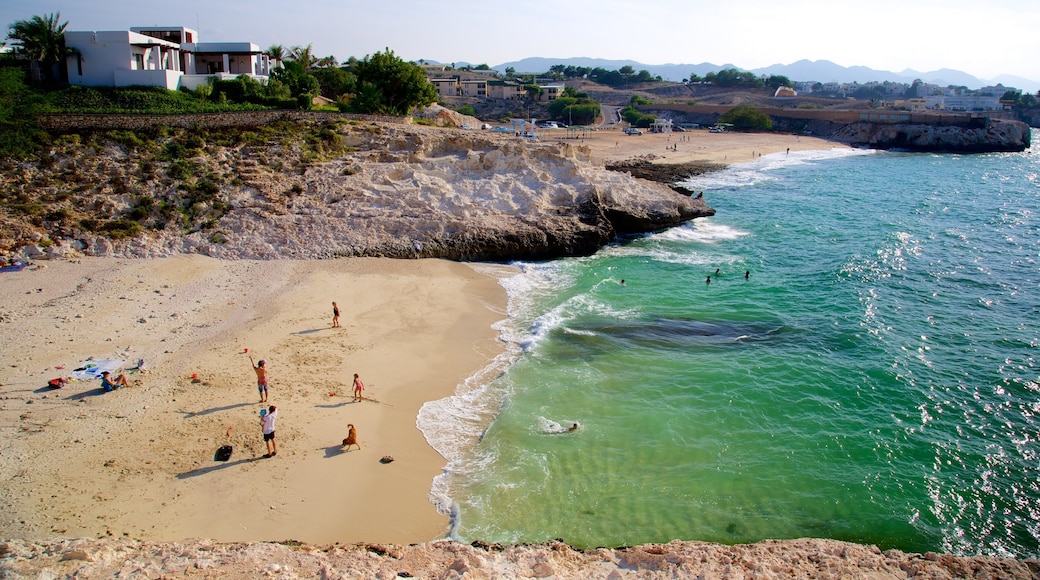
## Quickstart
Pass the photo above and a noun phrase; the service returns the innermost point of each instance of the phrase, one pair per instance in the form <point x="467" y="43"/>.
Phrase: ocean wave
<point x="745" y="174"/>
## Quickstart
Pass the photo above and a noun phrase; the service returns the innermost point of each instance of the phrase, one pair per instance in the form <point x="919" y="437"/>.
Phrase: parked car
<point x="501" y="130"/>
<point x="632" y="131"/>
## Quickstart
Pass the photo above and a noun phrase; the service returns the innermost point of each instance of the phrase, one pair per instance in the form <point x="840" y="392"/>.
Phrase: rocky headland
<point x="978" y="136"/>
<point x="338" y="189"/>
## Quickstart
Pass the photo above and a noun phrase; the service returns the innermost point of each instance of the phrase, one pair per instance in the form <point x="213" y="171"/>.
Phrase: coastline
<point x="695" y="146"/>
<point x="191" y="315"/>
<point x="305" y="511"/>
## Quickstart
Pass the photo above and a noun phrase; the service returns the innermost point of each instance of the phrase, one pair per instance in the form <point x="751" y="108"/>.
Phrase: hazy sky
<point x="983" y="38"/>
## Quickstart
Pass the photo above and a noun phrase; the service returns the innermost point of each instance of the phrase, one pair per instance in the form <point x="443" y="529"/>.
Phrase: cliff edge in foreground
<point x="118" y="558"/>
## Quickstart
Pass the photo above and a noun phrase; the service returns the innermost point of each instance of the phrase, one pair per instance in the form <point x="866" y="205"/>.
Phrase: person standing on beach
<point x="335" y="315"/>
<point x="358" y="387"/>
<point x="267" y="428"/>
<point x="261" y="378"/>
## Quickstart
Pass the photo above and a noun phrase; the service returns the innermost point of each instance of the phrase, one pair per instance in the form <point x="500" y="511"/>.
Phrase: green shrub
<point x="121" y="228"/>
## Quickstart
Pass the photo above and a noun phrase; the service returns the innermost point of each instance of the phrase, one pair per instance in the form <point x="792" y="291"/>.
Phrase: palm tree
<point x="326" y="62"/>
<point x="42" y="41"/>
<point x="303" y="55"/>
<point x="277" y="52"/>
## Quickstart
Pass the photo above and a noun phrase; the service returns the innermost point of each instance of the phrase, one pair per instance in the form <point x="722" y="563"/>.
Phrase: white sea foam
<point x="744" y="174"/>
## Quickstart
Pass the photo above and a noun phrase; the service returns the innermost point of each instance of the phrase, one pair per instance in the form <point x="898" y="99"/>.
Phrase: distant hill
<point x="803" y="70"/>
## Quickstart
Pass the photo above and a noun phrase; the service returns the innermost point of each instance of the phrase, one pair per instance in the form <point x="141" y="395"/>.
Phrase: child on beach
<point x="358" y="387"/>
<point x="112" y="384"/>
<point x="335" y="315"/>
<point x="261" y="378"/>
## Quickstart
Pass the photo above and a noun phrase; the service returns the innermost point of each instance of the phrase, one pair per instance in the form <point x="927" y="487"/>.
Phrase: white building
<point x="170" y="57"/>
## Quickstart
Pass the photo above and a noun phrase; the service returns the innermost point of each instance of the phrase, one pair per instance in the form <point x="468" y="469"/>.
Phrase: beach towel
<point x="91" y="368"/>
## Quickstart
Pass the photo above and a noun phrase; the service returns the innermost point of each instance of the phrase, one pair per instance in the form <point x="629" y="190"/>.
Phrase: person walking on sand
<point x="267" y="428"/>
<point x="261" y="378"/>
<point x="351" y="437"/>
<point x="335" y="315"/>
<point x="358" y="387"/>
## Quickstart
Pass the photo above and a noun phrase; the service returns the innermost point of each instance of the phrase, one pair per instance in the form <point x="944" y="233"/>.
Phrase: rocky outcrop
<point x="982" y="136"/>
<point x="119" y="558"/>
<point x="645" y="167"/>
<point x="391" y="190"/>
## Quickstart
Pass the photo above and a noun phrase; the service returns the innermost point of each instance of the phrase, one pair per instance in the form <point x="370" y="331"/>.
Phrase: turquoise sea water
<point x="875" y="379"/>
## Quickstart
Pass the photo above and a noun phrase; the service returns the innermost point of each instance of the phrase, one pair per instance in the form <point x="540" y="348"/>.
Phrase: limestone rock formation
<point x="391" y="190"/>
<point x="984" y="136"/>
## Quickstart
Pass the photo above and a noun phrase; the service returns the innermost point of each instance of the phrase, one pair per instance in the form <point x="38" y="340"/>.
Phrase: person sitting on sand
<point x="351" y="437"/>
<point x="112" y="384"/>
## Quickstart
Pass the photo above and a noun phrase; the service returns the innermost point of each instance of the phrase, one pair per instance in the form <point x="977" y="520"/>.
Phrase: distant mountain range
<point x="803" y="70"/>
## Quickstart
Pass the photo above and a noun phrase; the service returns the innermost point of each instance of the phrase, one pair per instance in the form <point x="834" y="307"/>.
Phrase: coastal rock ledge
<point x="979" y="136"/>
<point x="381" y="189"/>
<point x="805" y="558"/>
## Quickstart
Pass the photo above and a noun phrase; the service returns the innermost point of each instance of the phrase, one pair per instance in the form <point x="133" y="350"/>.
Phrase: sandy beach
<point x="699" y="145"/>
<point x="139" y="462"/>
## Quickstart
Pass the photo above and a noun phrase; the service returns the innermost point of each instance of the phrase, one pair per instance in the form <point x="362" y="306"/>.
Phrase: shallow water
<point x="874" y="379"/>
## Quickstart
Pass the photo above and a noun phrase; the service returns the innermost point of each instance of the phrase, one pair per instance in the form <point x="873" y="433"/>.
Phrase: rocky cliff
<point x="982" y="137"/>
<point x="341" y="189"/>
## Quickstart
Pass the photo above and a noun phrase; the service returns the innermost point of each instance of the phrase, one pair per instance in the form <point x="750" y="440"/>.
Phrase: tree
<point x="302" y="86"/>
<point x="389" y="85"/>
<point x="334" y="81"/>
<point x="627" y="70"/>
<point x="277" y="52"/>
<point x="510" y="72"/>
<point x="746" y="117"/>
<point x="776" y="81"/>
<point x="303" y="55"/>
<point x="42" y="41"/>
<point x="326" y="62"/>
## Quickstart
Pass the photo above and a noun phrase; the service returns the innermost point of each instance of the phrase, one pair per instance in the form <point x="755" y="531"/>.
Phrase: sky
<point x="983" y="38"/>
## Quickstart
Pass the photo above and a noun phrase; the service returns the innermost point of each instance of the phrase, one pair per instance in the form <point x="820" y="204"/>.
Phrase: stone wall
<point x="242" y="119"/>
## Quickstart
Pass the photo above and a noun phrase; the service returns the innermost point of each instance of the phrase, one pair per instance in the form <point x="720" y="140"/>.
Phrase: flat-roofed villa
<point x="170" y="57"/>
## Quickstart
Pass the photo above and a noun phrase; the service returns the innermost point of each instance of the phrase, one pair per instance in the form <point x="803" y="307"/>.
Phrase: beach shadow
<point x="310" y="331"/>
<point x="46" y="389"/>
<point x="217" y="467"/>
<point x="85" y="394"/>
<point x="190" y="414"/>
<point x="336" y="405"/>
<point x="334" y="451"/>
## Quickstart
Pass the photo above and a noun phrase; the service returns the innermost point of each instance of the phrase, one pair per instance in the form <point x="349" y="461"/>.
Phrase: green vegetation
<point x="634" y="116"/>
<point x="574" y="107"/>
<point x="41" y="40"/>
<point x="20" y="136"/>
<point x="166" y="178"/>
<point x="747" y="118"/>
<point x="388" y="85"/>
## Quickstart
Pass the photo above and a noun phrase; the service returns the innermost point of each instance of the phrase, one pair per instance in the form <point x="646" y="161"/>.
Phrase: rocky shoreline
<point x="804" y="558"/>
<point x="366" y="189"/>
